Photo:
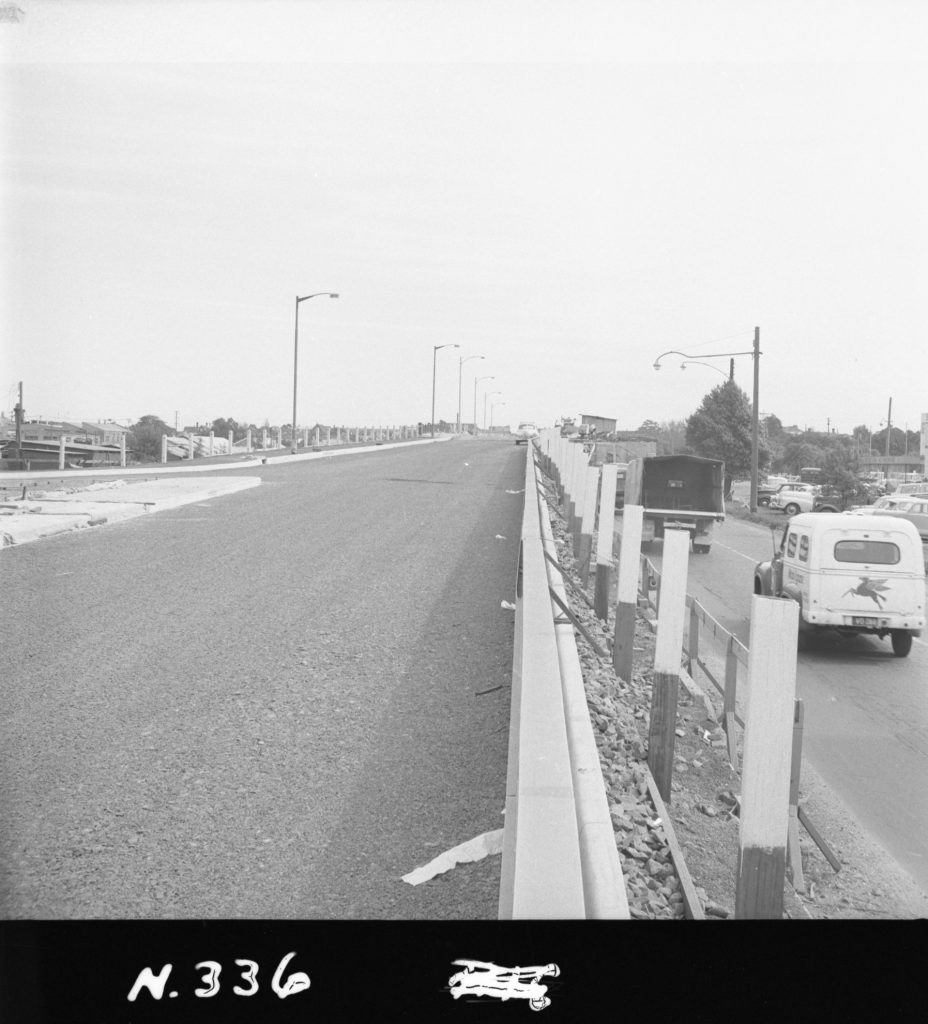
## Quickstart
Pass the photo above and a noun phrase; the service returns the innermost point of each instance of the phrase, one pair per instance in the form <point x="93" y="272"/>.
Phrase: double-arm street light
<point x="486" y="395"/>
<point x="755" y="353"/>
<point x="461" y="363"/>
<point x="435" y="349"/>
<point x="696" y="362"/>
<point x="296" y="342"/>
<point x="476" y="382"/>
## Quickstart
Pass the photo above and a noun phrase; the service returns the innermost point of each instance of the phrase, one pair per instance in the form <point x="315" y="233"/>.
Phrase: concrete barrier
<point x="559" y="853"/>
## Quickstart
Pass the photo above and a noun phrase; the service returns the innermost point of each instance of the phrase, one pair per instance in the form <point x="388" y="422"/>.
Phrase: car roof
<point x="818" y="522"/>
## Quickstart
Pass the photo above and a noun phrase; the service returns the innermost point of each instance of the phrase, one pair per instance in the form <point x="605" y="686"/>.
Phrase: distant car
<point x="525" y="432"/>
<point x="915" y="510"/>
<point x="794" y="498"/>
<point x="766" y="489"/>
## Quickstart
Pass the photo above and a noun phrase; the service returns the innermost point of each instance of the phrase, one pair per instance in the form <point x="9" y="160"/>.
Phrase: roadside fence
<point x="690" y="639"/>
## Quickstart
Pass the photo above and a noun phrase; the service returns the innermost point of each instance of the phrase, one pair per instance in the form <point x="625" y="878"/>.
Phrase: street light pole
<point x="476" y="380"/>
<point x="461" y="363"/>
<point x="755" y="414"/>
<point x="486" y="395"/>
<point x="296" y="343"/>
<point x="435" y="349"/>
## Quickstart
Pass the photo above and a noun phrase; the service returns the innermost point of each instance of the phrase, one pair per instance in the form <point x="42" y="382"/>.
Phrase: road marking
<point x="750" y="558"/>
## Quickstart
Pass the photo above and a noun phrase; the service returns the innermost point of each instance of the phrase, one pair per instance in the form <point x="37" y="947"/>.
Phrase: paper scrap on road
<point x="484" y="845"/>
<point x="507" y="606"/>
<point x="499" y="536"/>
<point x="516" y="492"/>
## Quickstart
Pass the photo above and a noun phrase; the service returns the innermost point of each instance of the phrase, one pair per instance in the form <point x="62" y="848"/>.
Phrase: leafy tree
<point x="721" y="428"/>
<point x="146" y="437"/>
<point x="808" y="449"/>
<point x="649" y="427"/>
<point x="774" y="426"/>
<point x="222" y="426"/>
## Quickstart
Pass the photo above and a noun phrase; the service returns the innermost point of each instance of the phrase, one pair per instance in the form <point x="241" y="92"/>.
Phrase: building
<point x="603" y="424"/>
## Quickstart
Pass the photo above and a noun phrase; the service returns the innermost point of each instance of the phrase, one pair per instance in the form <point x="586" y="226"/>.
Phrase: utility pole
<point x="889" y="427"/>
<point x="18" y="416"/>
<point x="755" y="419"/>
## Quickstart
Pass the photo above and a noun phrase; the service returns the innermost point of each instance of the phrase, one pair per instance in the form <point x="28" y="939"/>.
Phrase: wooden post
<point x="248" y="447"/>
<point x="164" y="448"/>
<point x="61" y="452"/>
<point x="729" y="707"/>
<point x="692" y="643"/>
<point x="122" y="450"/>
<point x="604" y="542"/>
<point x="626" y="608"/>
<point x="587" y="522"/>
<point x="190" y="447"/>
<point x="212" y="435"/>
<point x="793" y="849"/>
<point x="570" y="491"/>
<point x="768" y="744"/>
<point x="231" y="441"/>
<point x="671" y="613"/>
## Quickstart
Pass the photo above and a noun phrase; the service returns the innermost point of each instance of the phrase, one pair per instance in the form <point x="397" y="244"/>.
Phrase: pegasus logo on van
<point x="869" y="588"/>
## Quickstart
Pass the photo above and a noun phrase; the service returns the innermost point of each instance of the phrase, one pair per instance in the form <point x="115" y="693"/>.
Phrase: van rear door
<point x="870" y="578"/>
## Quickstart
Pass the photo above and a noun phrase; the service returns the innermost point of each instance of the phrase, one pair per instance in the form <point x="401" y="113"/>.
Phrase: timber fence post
<point x="587" y="522"/>
<point x="793" y="850"/>
<point x="665" y="686"/>
<point x="626" y="609"/>
<point x="604" y="542"/>
<point x="692" y="640"/>
<point x="765" y="775"/>
<point x="729" y="705"/>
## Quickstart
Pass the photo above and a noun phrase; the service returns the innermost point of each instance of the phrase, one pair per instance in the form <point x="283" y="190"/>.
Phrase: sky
<point x="563" y="190"/>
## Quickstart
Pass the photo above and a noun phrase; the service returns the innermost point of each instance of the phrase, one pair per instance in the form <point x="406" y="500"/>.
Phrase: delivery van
<point x="854" y="574"/>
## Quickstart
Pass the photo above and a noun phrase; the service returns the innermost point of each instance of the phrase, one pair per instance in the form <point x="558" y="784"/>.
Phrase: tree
<point x="146" y="437"/>
<point x="721" y="428"/>
<point x="773" y="425"/>
<point x="649" y="427"/>
<point x="223" y="425"/>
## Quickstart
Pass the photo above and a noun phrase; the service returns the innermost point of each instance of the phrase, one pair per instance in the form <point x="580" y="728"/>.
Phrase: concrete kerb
<point x="603" y="882"/>
<point x="570" y="836"/>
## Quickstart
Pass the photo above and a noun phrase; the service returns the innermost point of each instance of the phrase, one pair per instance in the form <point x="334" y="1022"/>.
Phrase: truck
<point x="681" y="492"/>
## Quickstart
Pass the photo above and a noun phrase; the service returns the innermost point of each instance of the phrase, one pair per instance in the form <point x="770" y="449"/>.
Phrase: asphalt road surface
<point x="267" y="705"/>
<point x="866" y="712"/>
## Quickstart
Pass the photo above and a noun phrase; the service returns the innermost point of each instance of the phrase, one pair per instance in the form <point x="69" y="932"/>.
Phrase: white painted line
<point x="751" y="558"/>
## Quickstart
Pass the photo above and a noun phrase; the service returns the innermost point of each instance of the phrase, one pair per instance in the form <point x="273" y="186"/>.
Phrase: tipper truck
<point x="683" y="492"/>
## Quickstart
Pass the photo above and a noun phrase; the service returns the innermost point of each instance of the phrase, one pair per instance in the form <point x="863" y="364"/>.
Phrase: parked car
<point x="525" y="432"/>
<point x="915" y="510"/>
<point x="766" y="489"/>
<point x="792" y="499"/>
<point x="852" y="574"/>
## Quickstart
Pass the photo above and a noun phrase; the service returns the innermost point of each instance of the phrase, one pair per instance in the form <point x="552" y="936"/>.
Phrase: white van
<point x="853" y="574"/>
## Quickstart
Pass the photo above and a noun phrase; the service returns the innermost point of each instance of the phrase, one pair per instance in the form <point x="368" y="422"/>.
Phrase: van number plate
<point x="864" y="620"/>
